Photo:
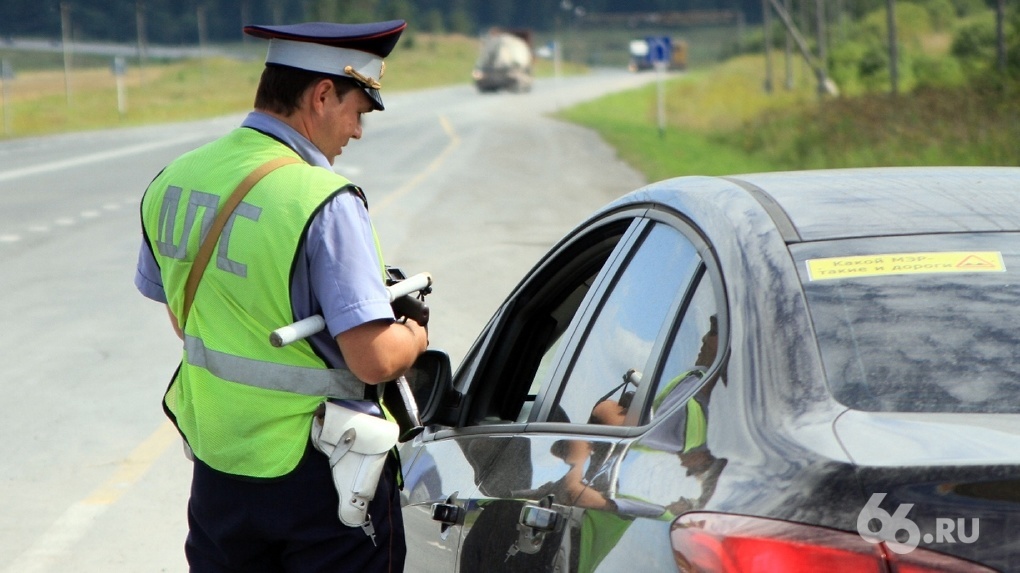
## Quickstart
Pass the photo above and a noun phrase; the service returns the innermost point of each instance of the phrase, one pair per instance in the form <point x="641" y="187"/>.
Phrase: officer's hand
<point x="420" y="333"/>
<point x="379" y="351"/>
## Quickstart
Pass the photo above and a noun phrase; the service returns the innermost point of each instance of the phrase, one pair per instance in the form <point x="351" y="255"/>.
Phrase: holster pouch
<point x="357" y="445"/>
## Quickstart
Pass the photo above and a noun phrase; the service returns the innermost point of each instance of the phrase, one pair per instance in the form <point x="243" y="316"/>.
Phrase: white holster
<point x="357" y="445"/>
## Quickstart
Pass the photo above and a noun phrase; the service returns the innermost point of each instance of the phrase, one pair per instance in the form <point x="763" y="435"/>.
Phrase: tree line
<point x="856" y="27"/>
<point x="181" y="22"/>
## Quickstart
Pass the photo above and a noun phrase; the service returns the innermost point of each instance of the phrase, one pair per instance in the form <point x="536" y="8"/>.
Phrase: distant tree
<point x="460" y="18"/>
<point x="176" y="21"/>
<point x="30" y="18"/>
<point x="432" y="21"/>
<point x="361" y="11"/>
<point x="974" y="44"/>
<point x="324" y="10"/>
<point x="399" y="10"/>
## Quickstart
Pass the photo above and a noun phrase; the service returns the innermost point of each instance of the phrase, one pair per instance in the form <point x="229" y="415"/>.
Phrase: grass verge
<point x="699" y="107"/>
<point x="721" y="121"/>
<point x="45" y="101"/>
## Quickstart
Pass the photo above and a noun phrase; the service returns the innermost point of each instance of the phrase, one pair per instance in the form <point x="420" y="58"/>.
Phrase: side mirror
<point x="431" y="382"/>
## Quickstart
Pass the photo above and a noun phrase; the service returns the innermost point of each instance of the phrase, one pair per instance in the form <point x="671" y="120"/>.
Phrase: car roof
<point x="848" y="203"/>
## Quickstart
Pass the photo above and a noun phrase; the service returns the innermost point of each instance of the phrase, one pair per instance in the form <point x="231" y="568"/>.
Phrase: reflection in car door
<point x="439" y="489"/>
<point x="514" y="521"/>
<point x="540" y="528"/>
<point x="567" y="517"/>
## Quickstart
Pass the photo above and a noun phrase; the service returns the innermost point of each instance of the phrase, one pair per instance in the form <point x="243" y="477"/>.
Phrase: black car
<point x="804" y="371"/>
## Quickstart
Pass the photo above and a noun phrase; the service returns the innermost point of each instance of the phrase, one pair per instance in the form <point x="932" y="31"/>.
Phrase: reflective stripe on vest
<point x="333" y="382"/>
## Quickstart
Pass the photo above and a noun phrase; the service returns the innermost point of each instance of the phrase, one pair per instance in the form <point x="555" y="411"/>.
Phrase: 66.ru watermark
<point x="947" y="529"/>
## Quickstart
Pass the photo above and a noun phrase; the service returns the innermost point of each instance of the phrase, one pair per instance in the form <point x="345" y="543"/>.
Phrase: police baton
<point x="400" y="298"/>
<point x="400" y="292"/>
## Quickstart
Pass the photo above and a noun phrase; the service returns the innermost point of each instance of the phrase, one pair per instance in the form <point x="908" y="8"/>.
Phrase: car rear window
<point x="918" y="324"/>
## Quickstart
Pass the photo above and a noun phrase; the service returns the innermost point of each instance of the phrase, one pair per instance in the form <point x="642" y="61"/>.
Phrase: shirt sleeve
<point x="345" y="272"/>
<point x="147" y="278"/>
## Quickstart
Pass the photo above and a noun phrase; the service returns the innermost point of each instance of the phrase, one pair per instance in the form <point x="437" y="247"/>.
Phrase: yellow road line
<point x="70" y="527"/>
<point x="135" y="465"/>
<point x="429" y="170"/>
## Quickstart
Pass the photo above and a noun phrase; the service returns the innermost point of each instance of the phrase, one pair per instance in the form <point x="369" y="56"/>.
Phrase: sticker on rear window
<point x="905" y="264"/>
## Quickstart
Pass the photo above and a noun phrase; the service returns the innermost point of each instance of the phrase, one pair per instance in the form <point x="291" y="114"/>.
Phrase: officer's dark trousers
<point x="288" y="524"/>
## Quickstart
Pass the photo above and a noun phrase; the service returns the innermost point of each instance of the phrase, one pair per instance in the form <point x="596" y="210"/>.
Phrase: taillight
<point x="723" y="543"/>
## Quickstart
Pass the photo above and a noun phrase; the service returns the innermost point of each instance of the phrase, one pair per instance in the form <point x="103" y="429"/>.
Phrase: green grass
<point x="658" y="154"/>
<point x="40" y="103"/>
<point x="37" y="100"/>
<point x="721" y="121"/>
<point x="699" y="108"/>
<point x="951" y="126"/>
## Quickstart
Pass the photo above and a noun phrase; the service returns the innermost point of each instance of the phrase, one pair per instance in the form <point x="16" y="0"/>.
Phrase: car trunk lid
<point x="945" y="482"/>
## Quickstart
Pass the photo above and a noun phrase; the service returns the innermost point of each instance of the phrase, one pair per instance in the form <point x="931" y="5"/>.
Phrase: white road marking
<point x="95" y="157"/>
<point x="66" y="221"/>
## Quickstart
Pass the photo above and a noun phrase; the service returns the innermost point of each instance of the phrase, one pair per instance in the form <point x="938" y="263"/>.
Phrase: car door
<point x="439" y="484"/>
<point x="563" y="512"/>
<point x="446" y="468"/>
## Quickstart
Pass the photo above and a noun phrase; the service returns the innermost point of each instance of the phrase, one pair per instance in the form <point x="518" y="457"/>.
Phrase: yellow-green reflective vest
<point x="244" y="407"/>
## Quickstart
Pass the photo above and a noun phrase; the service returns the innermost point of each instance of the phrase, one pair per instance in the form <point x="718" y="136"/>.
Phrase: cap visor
<point x="376" y="97"/>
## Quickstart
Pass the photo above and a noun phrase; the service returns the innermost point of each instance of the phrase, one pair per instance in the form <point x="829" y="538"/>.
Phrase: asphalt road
<point x="472" y="188"/>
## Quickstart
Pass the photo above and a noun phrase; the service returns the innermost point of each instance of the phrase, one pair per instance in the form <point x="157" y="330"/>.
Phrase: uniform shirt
<point x="338" y="271"/>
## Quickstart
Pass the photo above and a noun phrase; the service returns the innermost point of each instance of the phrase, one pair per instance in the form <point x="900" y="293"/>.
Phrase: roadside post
<point x="660" y="50"/>
<point x="554" y="47"/>
<point x="6" y="76"/>
<point x="119" y="67"/>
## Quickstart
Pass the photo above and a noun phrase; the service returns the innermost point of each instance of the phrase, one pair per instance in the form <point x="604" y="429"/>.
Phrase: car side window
<point x="620" y="339"/>
<point x="561" y="316"/>
<point x="691" y="351"/>
<point x="521" y="353"/>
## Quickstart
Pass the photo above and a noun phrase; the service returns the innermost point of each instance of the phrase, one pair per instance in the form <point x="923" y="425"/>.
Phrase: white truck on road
<point x="504" y="62"/>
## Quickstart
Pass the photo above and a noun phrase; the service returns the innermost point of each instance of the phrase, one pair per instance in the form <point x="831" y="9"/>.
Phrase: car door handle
<point x="535" y="522"/>
<point x="447" y="513"/>
<point x="539" y="518"/>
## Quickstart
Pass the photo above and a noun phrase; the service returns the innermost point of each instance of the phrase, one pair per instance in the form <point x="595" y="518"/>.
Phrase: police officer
<point x="299" y="243"/>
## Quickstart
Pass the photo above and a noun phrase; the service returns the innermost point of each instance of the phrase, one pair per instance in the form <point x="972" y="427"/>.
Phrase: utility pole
<point x="767" y="25"/>
<point x="6" y="76"/>
<point x="65" y="34"/>
<point x="142" y="49"/>
<point x="788" y="52"/>
<point x="245" y="19"/>
<point x="802" y="23"/>
<point x="1000" y="36"/>
<point x="202" y="36"/>
<point x="825" y="86"/>
<point x="823" y="56"/>
<point x="203" y="31"/>
<point x="894" y="57"/>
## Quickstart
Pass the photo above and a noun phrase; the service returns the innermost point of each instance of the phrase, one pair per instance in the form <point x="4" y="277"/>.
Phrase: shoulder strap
<point x="205" y="251"/>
